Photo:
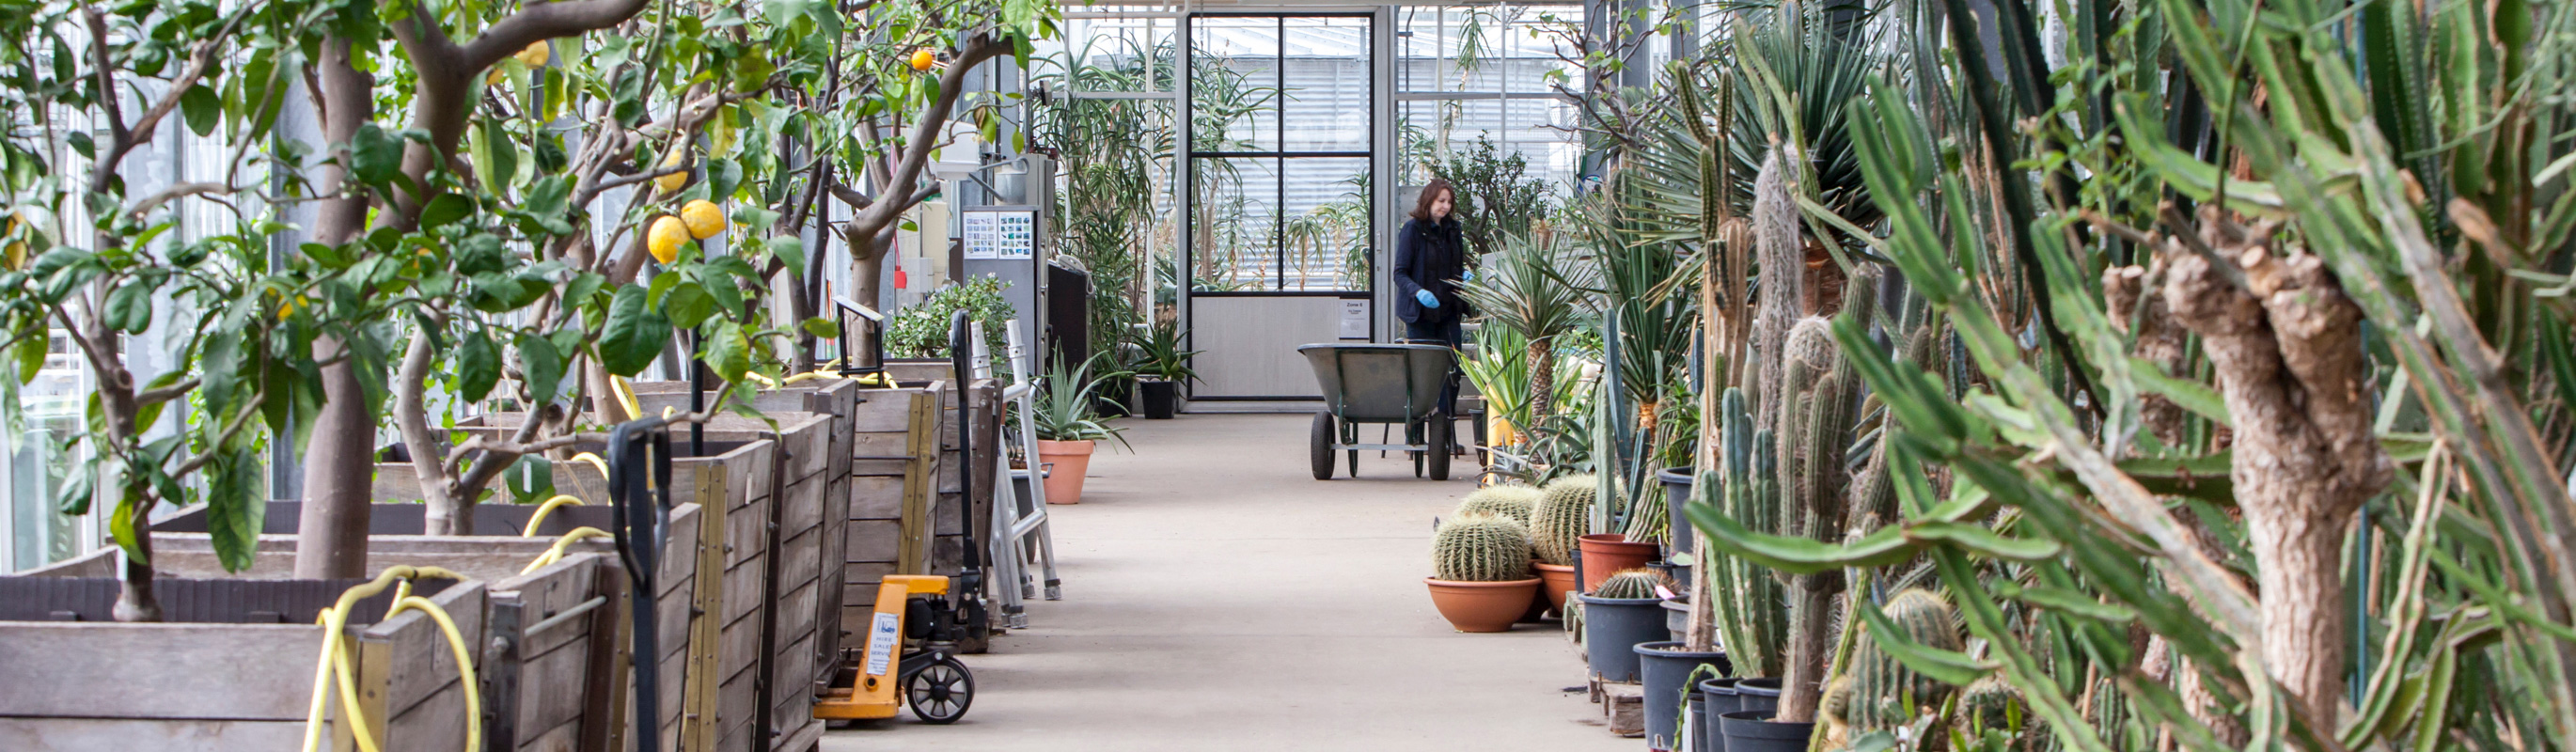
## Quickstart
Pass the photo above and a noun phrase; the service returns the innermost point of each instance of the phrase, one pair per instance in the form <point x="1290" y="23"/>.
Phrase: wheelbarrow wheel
<point x="941" y="692"/>
<point x="1320" y="450"/>
<point x="1437" y="437"/>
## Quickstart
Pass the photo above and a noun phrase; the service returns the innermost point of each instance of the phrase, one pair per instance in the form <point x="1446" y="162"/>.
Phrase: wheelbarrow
<point x="1381" y="384"/>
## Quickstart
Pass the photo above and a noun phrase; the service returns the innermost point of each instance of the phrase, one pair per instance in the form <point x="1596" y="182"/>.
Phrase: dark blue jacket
<point x="1429" y="256"/>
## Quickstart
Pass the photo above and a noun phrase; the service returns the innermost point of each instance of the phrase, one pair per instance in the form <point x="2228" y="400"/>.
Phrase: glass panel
<point x="1234" y="241"/>
<point x="1539" y="131"/>
<point x="1482" y="49"/>
<point x="41" y="460"/>
<point x="1234" y="84"/>
<point x="1326" y="227"/>
<point x="1116" y="210"/>
<point x="1326" y="105"/>
<point x="1110" y="54"/>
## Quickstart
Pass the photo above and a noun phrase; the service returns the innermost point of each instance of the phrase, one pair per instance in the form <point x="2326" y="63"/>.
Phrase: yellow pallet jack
<point x="910" y="609"/>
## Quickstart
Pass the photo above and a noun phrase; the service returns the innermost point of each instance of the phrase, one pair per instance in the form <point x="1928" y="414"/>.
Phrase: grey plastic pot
<point x="1754" y="731"/>
<point x="1761" y="694"/>
<point x="1677" y="491"/>
<point x="1717" y="698"/>
<point x="1665" y="668"/>
<point x="1677" y="619"/>
<point x="1612" y="626"/>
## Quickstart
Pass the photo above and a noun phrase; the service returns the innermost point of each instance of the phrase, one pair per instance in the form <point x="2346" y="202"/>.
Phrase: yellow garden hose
<point x="549" y="507"/>
<point x="626" y="395"/>
<point x="594" y="460"/>
<point x="808" y="376"/>
<point x="555" y="552"/>
<point x="757" y="376"/>
<point x="334" y="661"/>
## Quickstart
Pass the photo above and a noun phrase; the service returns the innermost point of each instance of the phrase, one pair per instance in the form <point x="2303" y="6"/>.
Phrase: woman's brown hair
<point x="1430" y="193"/>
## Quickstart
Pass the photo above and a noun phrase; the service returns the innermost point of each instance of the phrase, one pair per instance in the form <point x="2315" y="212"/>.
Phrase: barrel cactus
<point x="1512" y="500"/>
<point x="1481" y="548"/>
<point x="1884" y="693"/>
<point x="1632" y="583"/>
<point x="1561" y="516"/>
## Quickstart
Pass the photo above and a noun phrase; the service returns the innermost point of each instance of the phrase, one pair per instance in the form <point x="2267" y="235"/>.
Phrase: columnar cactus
<point x="1481" y="548"/>
<point x="1561" y="516"/>
<point x="1512" y="500"/>
<point x="1884" y="693"/>
<point x="1630" y="583"/>
<point x="1747" y="598"/>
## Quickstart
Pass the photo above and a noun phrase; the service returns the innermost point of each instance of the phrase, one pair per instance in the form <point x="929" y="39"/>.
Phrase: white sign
<point x="882" y="640"/>
<point x="1355" y="318"/>
<point x="1000" y="234"/>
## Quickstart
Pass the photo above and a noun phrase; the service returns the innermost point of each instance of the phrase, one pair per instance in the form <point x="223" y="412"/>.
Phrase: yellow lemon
<point x="705" y="220"/>
<point x="666" y="237"/>
<point x="671" y="183"/>
<point x="923" y="58"/>
<point x="536" y="54"/>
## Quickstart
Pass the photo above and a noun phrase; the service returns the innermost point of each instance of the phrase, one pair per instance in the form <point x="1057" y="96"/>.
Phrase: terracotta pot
<point x="1554" y="581"/>
<point x="1481" y="606"/>
<point x="1604" y="554"/>
<point x="1069" y="460"/>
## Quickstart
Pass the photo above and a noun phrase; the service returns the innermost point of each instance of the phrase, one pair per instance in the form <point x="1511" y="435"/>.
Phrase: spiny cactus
<point x="1630" y="583"/>
<point x="1884" y="693"/>
<point x="1480" y="548"/>
<point x="1750" y="621"/>
<point x="1561" y="516"/>
<point x="1512" y="500"/>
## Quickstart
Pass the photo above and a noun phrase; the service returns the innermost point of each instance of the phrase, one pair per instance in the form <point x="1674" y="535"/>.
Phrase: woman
<point x="1430" y="257"/>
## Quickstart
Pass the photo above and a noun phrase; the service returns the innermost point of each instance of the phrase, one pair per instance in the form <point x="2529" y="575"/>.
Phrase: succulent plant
<point x="1561" y="517"/>
<point x="1480" y="548"/>
<point x="1883" y="692"/>
<point x="1512" y="500"/>
<point x="1631" y="583"/>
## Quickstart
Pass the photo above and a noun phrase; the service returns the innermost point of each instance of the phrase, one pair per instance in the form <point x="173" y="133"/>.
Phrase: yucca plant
<point x="1065" y="409"/>
<point x="1535" y="289"/>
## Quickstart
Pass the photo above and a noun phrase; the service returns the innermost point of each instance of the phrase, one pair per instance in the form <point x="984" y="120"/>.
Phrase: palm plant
<point x="1536" y="290"/>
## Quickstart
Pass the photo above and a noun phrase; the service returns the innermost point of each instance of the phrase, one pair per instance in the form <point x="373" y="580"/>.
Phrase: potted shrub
<point x="1480" y="576"/>
<point x="1068" y="429"/>
<point x="1163" y="367"/>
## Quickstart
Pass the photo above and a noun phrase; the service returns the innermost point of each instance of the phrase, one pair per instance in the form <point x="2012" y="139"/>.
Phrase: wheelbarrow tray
<point x="1374" y="383"/>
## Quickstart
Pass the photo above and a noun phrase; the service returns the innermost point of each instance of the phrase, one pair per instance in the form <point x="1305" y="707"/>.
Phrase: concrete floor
<point x="1217" y="597"/>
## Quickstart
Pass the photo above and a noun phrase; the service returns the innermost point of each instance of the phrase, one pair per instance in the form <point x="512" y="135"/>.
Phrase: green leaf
<point x="235" y="509"/>
<point x="129" y="308"/>
<point x="2072" y="602"/>
<point x="822" y="327"/>
<point x="727" y="350"/>
<point x="2185" y="393"/>
<point x="1948" y="666"/>
<point x="790" y="249"/>
<point x="447" y="208"/>
<point x="723" y="176"/>
<point x="635" y="333"/>
<point x="543" y="366"/>
<point x="203" y="108"/>
<point x="478" y="366"/>
<point x="1797" y="555"/>
<point x="374" y="155"/>
<point x="1980" y="539"/>
<point x="530" y="480"/>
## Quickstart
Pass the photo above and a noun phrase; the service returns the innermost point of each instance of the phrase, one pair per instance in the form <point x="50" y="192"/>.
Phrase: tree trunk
<point x="1811" y="644"/>
<point x="1542" y="370"/>
<point x="135" y="602"/>
<point x="867" y="264"/>
<point x="2287" y="349"/>
<point x="331" y="537"/>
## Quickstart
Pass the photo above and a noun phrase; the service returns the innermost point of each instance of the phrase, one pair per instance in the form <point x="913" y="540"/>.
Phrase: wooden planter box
<point x="770" y="549"/>
<point x="561" y="661"/>
<point x="231" y="670"/>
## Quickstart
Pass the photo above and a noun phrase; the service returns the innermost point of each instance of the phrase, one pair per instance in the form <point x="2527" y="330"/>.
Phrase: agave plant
<point x="1064" y="408"/>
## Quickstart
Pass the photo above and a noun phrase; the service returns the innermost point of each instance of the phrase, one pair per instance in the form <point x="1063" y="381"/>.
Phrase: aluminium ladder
<point x="1018" y="538"/>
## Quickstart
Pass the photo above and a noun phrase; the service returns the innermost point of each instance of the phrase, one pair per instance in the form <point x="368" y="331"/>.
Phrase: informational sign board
<point x="1355" y="318"/>
<point x="999" y="234"/>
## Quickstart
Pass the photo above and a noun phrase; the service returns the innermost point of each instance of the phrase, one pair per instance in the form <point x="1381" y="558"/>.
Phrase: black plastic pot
<point x="1693" y="709"/>
<point x="1161" y="398"/>
<point x="1677" y="492"/>
<point x="1758" y="694"/>
<point x="1754" y="731"/>
<point x="1114" y="397"/>
<point x="1717" y="698"/>
<point x="1666" y="669"/>
<point x="1678" y="574"/>
<point x="1612" y="627"/>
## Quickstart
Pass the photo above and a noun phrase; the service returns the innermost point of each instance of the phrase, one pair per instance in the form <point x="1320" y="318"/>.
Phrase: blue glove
<point x="1428" y="300"/>
<point x="1469" y="275"/>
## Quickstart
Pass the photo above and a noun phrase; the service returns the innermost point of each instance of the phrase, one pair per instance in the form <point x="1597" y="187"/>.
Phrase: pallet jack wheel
<point x="941" y="691"/>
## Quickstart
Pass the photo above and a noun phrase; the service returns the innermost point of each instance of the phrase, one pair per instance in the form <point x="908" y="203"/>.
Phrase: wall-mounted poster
<point x="1000" y="234"/>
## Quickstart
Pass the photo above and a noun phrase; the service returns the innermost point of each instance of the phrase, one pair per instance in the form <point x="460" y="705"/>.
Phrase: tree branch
<point x="241" y="419"/>
<point x="543" y="21"/>
<point x="925" y="135"/>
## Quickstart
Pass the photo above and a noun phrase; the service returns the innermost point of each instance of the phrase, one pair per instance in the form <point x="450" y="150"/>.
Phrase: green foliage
<point x="1480" y="548"/>
<point x="1879" y="692"/>
<point x="1562" y="515"/>
<point x="1496" y="200"/>
<point x="921" y="329"/>
<point x="1511" y="500"/>
<point x="1063" y="410"/>
<point x="1159" y="354"/>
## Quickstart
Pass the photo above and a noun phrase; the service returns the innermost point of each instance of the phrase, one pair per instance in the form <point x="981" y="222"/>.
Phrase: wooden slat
<point x="217" y="672"/>
<point x="803" y="509"/>
<point x="798" y="560"/>
<point x="138" y="735"/>
<point x="750" y="538"/>
<point x="423" y="660"/>
<point x="435" y="724"/>
<point x="876" y="498"/>
<point x="795" y="614"/>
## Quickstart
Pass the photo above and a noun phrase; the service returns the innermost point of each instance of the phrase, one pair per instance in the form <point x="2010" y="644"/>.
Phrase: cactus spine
<point x="1561" y="516"/>
<point x="1508" y="500"/>
<point x="1481" y="548"/>
<point x="1631" y="583"/>
<point x="1750" y="622"/>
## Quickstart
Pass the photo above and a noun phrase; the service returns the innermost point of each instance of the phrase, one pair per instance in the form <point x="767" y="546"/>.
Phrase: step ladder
<point x="1019" y="538"/>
